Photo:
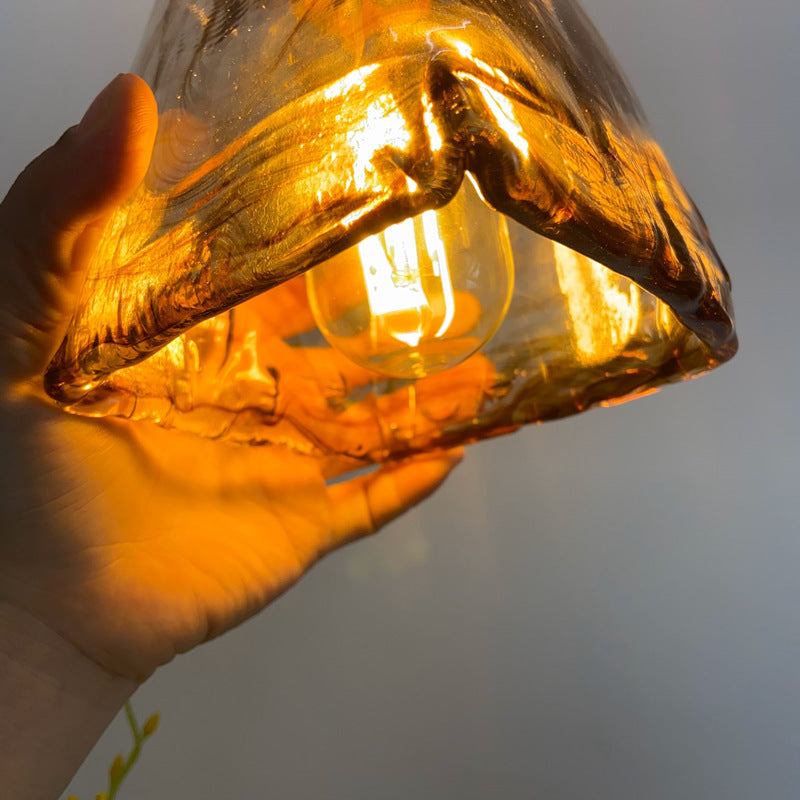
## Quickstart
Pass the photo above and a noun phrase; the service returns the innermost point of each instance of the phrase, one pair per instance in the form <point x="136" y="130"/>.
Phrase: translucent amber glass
<point x="422" y="295"/>
<point x="294" y="133"/>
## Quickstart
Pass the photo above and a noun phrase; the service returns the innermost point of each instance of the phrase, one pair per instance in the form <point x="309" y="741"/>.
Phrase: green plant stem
<point x="138" y="738"/>
<point x="122" y="766"/>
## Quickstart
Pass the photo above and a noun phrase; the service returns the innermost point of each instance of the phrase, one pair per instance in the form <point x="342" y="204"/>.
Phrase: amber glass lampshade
<point x="374" y="227"/>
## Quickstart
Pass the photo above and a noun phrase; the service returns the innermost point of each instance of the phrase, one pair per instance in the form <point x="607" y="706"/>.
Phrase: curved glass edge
<point x="576" y="335"/>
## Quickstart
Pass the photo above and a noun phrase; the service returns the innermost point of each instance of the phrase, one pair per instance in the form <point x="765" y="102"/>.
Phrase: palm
<point x="153" y="541"/>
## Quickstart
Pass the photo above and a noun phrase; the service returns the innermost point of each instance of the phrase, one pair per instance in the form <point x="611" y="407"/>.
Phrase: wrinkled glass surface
<point x="292" y="131"/>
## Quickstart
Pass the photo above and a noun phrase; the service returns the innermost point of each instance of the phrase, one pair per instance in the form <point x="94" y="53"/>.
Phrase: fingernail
<point x="100" y="113"/>
<point x="455" y="456"/>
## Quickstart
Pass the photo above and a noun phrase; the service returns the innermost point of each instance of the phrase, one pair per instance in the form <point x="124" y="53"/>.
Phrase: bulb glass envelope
<point x="290" y="131"/>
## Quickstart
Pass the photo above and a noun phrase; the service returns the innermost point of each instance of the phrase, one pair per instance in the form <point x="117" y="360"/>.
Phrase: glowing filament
<point x="422" y="295"/>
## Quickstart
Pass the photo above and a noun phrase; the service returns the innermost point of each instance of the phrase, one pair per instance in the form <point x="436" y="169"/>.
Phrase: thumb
<point x="52" y="215"/>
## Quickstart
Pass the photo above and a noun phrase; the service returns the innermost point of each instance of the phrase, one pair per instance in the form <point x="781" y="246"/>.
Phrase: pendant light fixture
<point x="372" y="228"/>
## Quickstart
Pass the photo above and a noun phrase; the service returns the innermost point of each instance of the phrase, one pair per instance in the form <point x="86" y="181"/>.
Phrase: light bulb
<point x="422" y="295"/>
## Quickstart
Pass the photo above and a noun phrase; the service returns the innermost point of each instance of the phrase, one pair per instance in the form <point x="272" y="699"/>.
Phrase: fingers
<point x="91" y="169"/>
<point x="52" y="214"/>
<point x="408" y="419"/>
<point x="363" y="505"/>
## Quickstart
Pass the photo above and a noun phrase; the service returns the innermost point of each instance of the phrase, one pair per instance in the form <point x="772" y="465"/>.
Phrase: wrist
<point x="56" y="703"/>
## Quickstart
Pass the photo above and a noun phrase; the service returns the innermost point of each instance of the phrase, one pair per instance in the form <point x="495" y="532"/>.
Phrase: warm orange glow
<point x="408" y="301"/>
<point x="434" y="134"/>
<point x="376" y="146"/>
<point x="383" y="126"/>
<point x="604" y="308"/>
<point x="422" y="295"/>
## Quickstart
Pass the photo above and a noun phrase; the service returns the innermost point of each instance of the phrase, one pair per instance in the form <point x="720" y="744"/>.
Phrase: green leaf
<point x="151" y="725"/>
<point x="117" y="769"/>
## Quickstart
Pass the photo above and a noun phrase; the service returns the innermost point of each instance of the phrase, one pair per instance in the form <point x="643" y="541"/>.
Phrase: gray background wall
<point x="606" y="607"/>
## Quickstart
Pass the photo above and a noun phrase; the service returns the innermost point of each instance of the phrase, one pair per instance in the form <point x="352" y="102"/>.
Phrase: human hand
<point x="131" y="542"/>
